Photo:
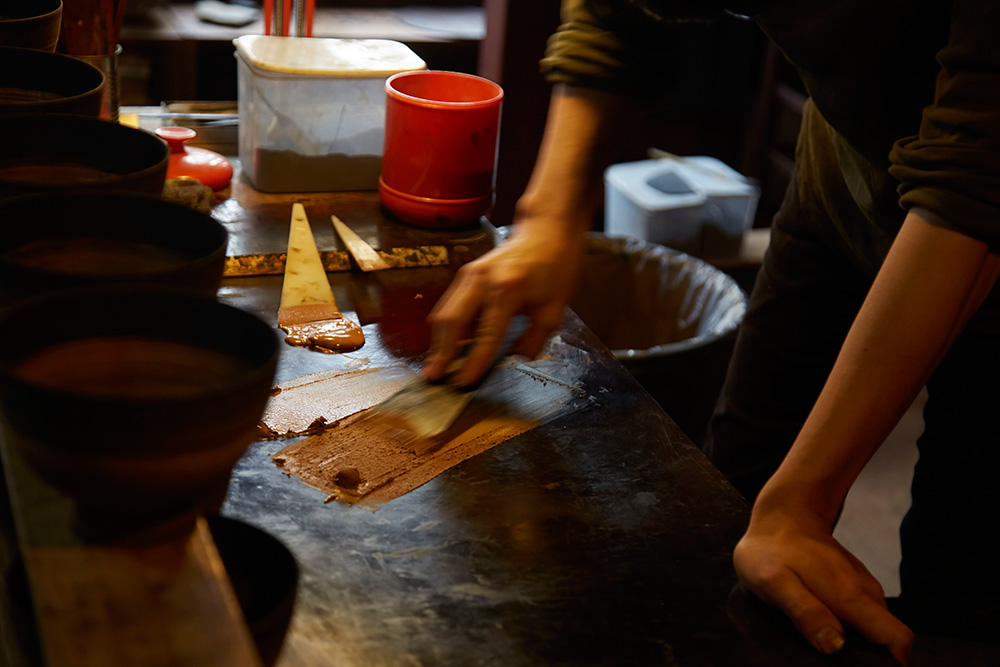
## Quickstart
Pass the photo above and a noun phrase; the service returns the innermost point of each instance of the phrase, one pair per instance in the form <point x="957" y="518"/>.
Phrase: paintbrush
<point x="419" y="414"/>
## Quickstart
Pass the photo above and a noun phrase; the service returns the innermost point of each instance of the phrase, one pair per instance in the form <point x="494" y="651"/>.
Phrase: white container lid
<point x="327" y="57"/>
<point x="697" y="179"/>
<point x="632" y="180"/>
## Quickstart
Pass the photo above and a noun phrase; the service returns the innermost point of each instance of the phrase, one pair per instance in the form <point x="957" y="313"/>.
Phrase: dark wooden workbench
<point x="602" y="538"/>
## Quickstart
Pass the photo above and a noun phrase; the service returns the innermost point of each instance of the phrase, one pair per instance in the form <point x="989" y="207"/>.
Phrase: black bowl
<point x="30" y="25"/>
<point x="264" y="576"/>
<point x="33" y="81"/>
<point x="135" y="403"/>
<point x="76" y="238"/>
<point x="51" y="152"/>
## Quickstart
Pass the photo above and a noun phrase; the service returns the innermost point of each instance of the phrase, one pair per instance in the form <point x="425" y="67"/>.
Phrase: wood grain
<point x="167" y="602"/>
<point x="164" y="604"/>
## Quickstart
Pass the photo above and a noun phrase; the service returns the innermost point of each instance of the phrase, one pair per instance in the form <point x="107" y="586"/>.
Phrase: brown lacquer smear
<point x="320" y="327"/>
<point x="358" y="461"/>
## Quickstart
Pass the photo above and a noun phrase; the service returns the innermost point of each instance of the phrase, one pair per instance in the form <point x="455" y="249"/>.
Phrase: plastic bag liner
<point x="670" y="318"/>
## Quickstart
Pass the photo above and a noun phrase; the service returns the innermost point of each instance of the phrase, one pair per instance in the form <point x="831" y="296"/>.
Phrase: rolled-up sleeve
<point x="952" y="168"/>
<point x="608" y="44"/>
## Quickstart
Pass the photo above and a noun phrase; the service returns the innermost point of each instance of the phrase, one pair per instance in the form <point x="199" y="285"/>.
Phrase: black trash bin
<point x="670" y="318"/>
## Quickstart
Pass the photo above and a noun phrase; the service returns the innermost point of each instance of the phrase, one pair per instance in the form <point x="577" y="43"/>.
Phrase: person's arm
<point x="535" y="271"/>
<point x="930" y="284"/>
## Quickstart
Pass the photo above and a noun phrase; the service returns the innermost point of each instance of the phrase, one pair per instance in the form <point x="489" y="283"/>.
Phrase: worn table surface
<point x="603" y="537"/>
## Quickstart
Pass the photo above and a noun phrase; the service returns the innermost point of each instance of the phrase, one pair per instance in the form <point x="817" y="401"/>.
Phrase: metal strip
<point x="335" y="260"/>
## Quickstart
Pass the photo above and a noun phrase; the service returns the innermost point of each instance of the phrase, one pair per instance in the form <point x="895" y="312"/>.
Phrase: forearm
<point x="930" y="284"/>
<point x="583" y="133"/>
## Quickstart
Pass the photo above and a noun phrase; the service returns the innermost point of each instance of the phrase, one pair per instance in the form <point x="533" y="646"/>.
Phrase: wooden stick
<point x="79" y="33"/>
<point x="310" y="12"/>
<point x="119" y="22"/>
<point x="363" y="254"/>
<point x="287" y="23"/>
<point x="106" y="25"/>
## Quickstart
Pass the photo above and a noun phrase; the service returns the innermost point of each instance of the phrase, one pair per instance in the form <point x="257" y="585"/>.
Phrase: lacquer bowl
<point x="48" y="152"/>
<point x="69" y="239"/>
<point x="134" y="403"/>
<point x="31" y="25"/>
<point x="264" y="576"/>
<point x="33" y="81"/>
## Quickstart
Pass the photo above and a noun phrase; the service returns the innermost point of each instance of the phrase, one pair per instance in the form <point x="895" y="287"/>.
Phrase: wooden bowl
<point x="135" y="403"/>
<point x="75" y="238"/>
<point x="51" y="152"/>
<point x="30" y="25"/>
<point x="264" y="576"/>
<point x="40" y="82"/>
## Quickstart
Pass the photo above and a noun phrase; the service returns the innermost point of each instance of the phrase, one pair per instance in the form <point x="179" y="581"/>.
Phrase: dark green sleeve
<point x="952" y="167"/>
<point x="609" y="44"/>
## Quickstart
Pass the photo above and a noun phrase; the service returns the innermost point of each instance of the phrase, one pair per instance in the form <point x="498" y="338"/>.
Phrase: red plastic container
<point x="441" y="131"/>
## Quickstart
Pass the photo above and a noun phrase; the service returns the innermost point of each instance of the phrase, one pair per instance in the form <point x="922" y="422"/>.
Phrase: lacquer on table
<point x="603" y="537"/>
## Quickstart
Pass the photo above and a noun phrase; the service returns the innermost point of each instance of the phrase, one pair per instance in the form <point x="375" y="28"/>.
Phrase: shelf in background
<point x="174" y="55"/>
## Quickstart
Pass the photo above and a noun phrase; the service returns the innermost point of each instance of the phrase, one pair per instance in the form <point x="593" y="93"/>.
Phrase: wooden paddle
<point x="367" y="257"/>
<point x="308" y="312"/>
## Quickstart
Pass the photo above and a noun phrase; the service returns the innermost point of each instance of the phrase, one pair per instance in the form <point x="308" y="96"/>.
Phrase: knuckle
<point x="809" y="613"/>
<point x="756" y="573"/>
<point x="509" y="282"/>
<point x="474" y="270"/>
<point x="441" y="319"/>
<point x="488" y="334"/>
<point x="850" y="593"/>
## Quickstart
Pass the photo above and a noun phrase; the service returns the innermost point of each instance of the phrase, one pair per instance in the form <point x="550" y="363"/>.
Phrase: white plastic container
<point x="312" y="110"/>
<point x="697" y="205"/>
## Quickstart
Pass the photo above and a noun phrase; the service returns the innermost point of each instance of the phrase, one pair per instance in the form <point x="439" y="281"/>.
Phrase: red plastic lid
<point x="207" y="166"/>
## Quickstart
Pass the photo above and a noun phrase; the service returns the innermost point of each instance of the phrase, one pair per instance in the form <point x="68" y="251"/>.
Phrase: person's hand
<point x="791" y="561"/>
<point x="533" y="273"/>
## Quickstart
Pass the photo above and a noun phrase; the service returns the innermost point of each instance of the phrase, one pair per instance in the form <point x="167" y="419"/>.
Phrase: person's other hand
<point x="795" y="564"/>
<point x="533" y="273"/>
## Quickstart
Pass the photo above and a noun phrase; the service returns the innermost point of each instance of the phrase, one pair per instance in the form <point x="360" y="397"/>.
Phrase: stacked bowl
<point x="125" y="384"/>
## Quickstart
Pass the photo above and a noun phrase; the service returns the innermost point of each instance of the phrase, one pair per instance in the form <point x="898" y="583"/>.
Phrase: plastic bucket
<point x="670" y="318"/>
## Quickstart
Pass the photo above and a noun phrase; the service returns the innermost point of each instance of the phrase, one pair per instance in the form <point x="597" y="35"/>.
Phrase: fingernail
<point x="829" y="640"/>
